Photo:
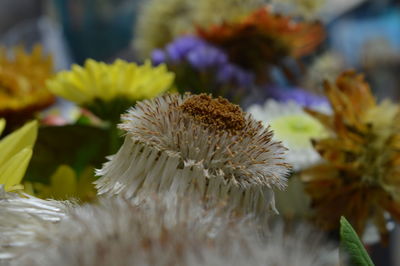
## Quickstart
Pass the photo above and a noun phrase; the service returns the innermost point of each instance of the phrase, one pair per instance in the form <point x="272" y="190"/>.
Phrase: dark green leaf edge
<point x="352" y="246"/>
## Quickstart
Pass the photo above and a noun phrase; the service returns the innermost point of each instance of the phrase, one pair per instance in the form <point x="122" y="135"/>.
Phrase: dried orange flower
<point x="22" y="83"/>
<point x="264" y="38"/>
<point x="360" y="178"/>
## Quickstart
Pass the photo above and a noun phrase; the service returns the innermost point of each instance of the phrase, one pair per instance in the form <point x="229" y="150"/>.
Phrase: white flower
<point x="22" y="217"/>
<point x="294" y="127"/>
<point x="160" y="231"/>
<point x="193" y="143"/>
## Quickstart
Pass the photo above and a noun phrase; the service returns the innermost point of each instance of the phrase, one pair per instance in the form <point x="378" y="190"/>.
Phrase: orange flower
<point x="264" y="38"/>
<point x="22" y="83"/>
<point x="360" y="178"/>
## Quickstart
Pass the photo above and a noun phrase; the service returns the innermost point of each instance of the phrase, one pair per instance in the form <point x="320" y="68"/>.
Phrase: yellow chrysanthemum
<point x="97" y="84"/>
<point x="15" y="154"/>
<point x="22" y="83"/>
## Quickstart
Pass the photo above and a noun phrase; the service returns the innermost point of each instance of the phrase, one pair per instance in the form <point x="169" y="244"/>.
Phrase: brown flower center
<point x="218" y="113"/>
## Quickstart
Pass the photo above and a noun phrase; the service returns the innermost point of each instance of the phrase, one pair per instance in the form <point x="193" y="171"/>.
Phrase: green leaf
<point x="75" y="145"/>
<point x="352" y="246"/>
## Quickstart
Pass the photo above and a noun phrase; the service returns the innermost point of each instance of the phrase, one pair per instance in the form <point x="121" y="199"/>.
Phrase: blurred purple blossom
<point x="158" y="56"/>
<point x="179" y="48"/>
<point x="232" y="73"/>
<point x="203" y="56"/>
<point x="300" y="96"/>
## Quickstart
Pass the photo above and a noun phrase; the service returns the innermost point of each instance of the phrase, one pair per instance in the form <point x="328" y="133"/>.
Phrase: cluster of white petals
<point x="167" y="149"/>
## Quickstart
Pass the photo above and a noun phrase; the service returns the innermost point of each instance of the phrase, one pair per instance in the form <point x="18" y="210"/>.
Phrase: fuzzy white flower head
<point x="196" y="143"/>
<point x="175" y="231"/>
<point x="294" y="127"/>
<point x="164" y="230"/>
<point x="22" y="217"/>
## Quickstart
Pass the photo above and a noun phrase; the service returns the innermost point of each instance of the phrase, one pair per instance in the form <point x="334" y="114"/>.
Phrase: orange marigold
<point x="22" y="83"/>
<point x="360" y="178"/>
<point x="264" y="38"/>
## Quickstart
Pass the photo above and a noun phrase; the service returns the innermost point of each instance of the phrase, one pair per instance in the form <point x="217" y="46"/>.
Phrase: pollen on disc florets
<point x="194" y="142"/>
<point x="218" y="113"/>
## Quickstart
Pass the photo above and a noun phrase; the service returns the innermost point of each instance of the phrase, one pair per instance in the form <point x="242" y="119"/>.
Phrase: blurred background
<point x="361" y="34"/>
<point x="364" y="34"/>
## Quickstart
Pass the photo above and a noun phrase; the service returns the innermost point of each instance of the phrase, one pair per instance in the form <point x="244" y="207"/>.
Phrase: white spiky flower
<point x="170" y="232"/>
<point x="294" y="127"/>
<point x="196" y="143"/>
<point x="21" y="218"/>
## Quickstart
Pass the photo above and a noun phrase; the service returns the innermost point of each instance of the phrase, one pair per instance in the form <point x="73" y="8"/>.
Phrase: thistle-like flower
<point x="169" y="232"/>
<point x="196" y="143"/>
<point x="294" y="127"/>
<point x="22" y="84"/>
<point x="263" y="38"/>
<point x="360" y="176"/>
<point x="109" y="89"/>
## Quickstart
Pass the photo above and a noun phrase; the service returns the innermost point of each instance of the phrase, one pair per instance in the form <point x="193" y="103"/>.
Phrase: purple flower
<point x="178" y="49"/>
<point x="300" y="96"/>
<point x="205" y="57"/>
<point x="230" y="73"/>
<point x="193" y="50"/>
<point x="158" y="56"/>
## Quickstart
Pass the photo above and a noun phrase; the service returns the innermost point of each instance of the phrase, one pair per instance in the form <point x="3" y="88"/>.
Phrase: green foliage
<point x="351" y="245"/>
<point x="75" y="145"/>
<point x="110" y="110"/>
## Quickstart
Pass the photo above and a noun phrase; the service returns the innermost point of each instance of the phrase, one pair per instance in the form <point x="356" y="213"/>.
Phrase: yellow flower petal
<point x="28" y="188"/>
<point x="97" y="80"/>
<point x="13" y="170"/>
<point x="22" y="78"/>
<point x="2" y="125"/>
<point x="63" y="183"/>
<point x="24" y="137"/>
<point x="86" y="189"/>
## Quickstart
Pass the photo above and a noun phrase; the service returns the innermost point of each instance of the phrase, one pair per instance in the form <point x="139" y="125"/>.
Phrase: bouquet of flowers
<point x="172" y="162"/>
